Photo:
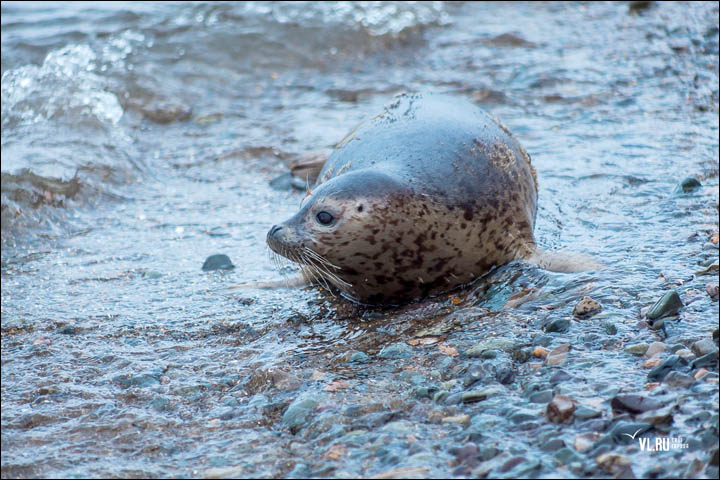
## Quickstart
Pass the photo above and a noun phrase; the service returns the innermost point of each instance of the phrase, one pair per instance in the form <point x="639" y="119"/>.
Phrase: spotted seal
<point x="427" y="196"/>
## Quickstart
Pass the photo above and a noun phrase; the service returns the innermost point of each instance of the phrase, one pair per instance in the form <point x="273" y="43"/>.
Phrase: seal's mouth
<point x="313" y="264"/>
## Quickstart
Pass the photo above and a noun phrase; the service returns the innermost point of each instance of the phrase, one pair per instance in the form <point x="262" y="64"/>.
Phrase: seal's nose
<point x="274" y="230"/>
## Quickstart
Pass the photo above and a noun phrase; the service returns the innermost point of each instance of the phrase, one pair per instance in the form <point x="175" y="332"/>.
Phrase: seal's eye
<point x="325" y="218"/>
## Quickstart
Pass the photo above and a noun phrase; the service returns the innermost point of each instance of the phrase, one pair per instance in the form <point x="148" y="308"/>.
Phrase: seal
<point x="425" y="197"/>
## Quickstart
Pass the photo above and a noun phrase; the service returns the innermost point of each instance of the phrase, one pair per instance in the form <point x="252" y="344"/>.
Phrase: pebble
<point x="661" y="416"/>
<point x="217" y="262"/>
<point x="713" y="290"/>
<point x="358" y="357"/>
<point x="613" y="463"/>
<point x="655" y="348"/>
<point x="540" y="352"/>
<point x="462" y="419"/>
<point x="479" y="395"/>
<point x="669" y="304"/>
<point x="559" y="325"/>
<point x="636" y="349"/>
<point x="560" y="409"/>
<point x="708" y="360"/>
<point x="689" y="184"/>
<point x="567" y="456"/>
<point x="396" y="350"/>
<point x="557" y="355"/>
<point x="586" y="307"/>
<point x="620" y="431"/>
<point x="585" y="441"/>
<point x="703" y="347"/>
<point x="678" y="379"/>
<point x="489" y="344"/>
<point x="559" y="376"/>
<point x="685" y="354"/>
<point x="582" y="412"/>
<point x="299" y="413"/>
<point x="659" y="372"/>
<point x="476" y="372"/>
<point x="543" y="396"/>
<point x="634" y="403"/>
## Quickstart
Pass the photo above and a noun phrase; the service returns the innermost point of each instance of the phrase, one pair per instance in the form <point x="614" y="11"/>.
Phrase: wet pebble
<point x="566" y="456"/>
<point x="703" y="347"/>
<point x="669" y="304"/>
<point x="481" y="394"/>
<point x="217" y="262"/>
<point x="299" y="413"/>
<point x="559" y="325"/>
<point x="585" y="441"/>
<point x="560" y="376"/>
<point x="358" y="357"/>
<point x="634" y="403"/>
<point x="543" y="396"/>
<point x="689" y="184"/>
<point x="396" y="350"/>
<point x="557" y="355"/>
<point x="478" y="349"/>
<point x="613" y="463"/>
<point x="659" y="372"/>
<point x="655" y="348"/>
<point x="582" y="412"/>
<point x="620" y="431"/>
<point x="636" y="349"/>
<point x="706" y="361"/>
<point x="586" y="307"/>
<point x="560" y="409"/>
<point x="713" y="290"/>
<point x="678" y="379"/>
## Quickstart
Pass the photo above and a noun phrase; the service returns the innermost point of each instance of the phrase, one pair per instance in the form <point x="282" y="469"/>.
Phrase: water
<point x="137" y="139"/>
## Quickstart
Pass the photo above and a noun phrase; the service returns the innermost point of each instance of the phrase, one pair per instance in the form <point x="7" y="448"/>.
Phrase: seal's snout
<point x="275" y="229"/>
<point x="273" y="238"/>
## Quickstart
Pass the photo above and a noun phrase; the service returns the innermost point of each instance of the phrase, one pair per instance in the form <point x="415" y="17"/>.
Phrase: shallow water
<point x="138" y="139"/>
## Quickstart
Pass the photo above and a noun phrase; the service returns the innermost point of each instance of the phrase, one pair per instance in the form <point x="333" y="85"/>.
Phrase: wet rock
<point x="613" y="463"/>
<point x="557" y="355"/>
<point x="453" y="399"/>
<point x="559" y="325"/>
<point x="582" y="412"/>
<point x="358" y="357"/>
<point x="560" y="409"/>
<point x="559" y="376"/>
<point x="655" y="348"/>
<point x="609" y="327"/>
<point x="440" y="396"/>
<point x="225" y="472"/>
<point x="637" y="349"/>
<point x="585" y="441"/>
<point x="522" y="355"/>
<point x="542" y="340"/>
<point x="522" y="416"/>
<point x="552" y="444"/>
<point x="688" y="185"/>
<point x="217" y="262"/>
<point x="685" y="355"/>
<point x="566" y="456"/>
<point x="706" y="361"/>
<point x="479" y="395"/>
<point x="396" y="350"/>
<point x="539" y="352"/>
<point x="661" y="416"/>
<point x="490" y="344"/>
<point x="713" y="290"/>
<point x="505" y="375"/>
<point x="669" y="304"/>
<point x="475" y="373"/>
<point x="677" y="379"/>
<point x="462" y="419"/>
<point x="586" y="308"/>
<point x="299" y="413"/>
<point x="543" y="396"/>
<point x="634" y="403"/>
<point x="637" y="6"/>
<point x="263" y="379"/>
<point x="703" y="347"/>
<point x="659" y="372"/>
<point x="424" y="392"/>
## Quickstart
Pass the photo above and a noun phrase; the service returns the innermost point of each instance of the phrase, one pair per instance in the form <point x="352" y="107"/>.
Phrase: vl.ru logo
<point x="662" y="444"/>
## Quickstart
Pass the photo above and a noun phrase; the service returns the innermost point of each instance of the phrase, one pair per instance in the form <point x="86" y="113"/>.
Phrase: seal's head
<point x="334" y="236"/>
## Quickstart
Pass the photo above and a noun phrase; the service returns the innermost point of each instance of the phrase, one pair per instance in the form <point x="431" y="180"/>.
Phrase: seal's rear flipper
<point x="563" y="261"/>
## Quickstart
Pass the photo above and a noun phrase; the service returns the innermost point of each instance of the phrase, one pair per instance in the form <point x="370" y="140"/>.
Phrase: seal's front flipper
<point x="289" y="282"/>
<point x="563" y="261"/>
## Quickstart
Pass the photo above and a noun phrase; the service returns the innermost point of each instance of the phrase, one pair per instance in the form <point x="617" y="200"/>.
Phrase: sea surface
<point x="140" y="138"/>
